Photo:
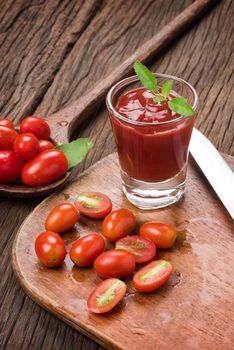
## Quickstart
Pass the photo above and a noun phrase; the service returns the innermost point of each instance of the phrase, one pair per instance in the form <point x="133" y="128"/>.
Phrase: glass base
<point x="154" y="195"/>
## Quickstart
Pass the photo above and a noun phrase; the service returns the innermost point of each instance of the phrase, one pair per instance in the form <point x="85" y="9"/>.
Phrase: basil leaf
<point x="76" y="151"/>
<point x="158" y="98"/>
<point x="147" y="78"/>
<point x="181" y="106"/>
<point x="166" y="88"/>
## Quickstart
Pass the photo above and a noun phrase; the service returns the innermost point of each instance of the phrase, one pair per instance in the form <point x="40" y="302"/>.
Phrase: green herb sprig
<point x="178" y="105"/>
<point x="75" y="151"/>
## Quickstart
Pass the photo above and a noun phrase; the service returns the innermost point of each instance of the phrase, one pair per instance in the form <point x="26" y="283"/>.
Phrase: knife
<point x="214" y="167"/>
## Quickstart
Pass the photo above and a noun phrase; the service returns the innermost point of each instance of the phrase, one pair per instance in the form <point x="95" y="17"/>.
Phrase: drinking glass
<point x="153" y="156"/>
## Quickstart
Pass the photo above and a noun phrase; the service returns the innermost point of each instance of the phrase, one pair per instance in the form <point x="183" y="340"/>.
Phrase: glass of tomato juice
<point x="152" y="141"/>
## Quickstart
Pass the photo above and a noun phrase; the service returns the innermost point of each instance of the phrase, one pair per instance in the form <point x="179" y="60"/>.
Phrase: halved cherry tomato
<point x="45" y="144"/>
<point x="6" y="122"/>
<point x="10" y="167"/>
<point x="7" y="138"/>
<point x="162" y="235"/>
<point x="36" y="126"/>
<point x="45" y="168"/>
<point x="106" y="295"/>
<point x="114" y="263"/>
<point x="152" y="276"/>
<point x="62" y="218"/>
<point x="118" y="224"/>
<point x="94" y="204"/>
<point x="142" y="248"/>
<point x="86" y="249"/>
<point x="50" y="249"/>
<point x="26" y="146"/>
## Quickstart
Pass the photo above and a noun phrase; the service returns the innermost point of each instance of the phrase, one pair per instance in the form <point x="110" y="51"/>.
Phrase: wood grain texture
<point x="34" y="84"/>
<point x="42" y="33"/>
<point x="191" y="317"/>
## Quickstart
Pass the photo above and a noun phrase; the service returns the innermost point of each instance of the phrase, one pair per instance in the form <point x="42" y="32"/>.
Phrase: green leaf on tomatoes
<point x="75" y="151"/>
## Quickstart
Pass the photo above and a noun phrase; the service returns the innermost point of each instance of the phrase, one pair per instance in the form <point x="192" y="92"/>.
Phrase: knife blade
<point x="214" y="167"/>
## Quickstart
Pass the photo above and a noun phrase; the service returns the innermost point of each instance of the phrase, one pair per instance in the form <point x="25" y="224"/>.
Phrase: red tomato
<point x="86" y="249"/>
<point x="114" y="263"/>
<point x="45" y="144"/>
<point x="45" y="168"/>
<point x="10" y="167"/>
<point x="26" y="146"/>
<point x="106" y="295"/>
<point x="162" y="235"/>
<point x="62" y="218"/>
<point x="7" y="138"/>
<point x="7" y="123"/>
<point x="50" y="249"/>
<point x="118" y="224"/>
<point x="142" y="248"/>
<point x="94" y="204"/>
<point x="152" y="276"/>
<point x="36" y="126"/>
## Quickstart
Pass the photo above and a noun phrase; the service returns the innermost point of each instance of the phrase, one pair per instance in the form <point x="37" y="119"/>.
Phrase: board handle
<point x="65" y="121"/>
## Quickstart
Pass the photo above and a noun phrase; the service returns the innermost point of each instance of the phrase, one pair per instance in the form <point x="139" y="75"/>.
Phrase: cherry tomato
<point x="26" y="146"/>
<point x="62" y="218"/>
<point x="94" y="204"/>
<point x="36" y="126"/>
<point x="114" y="263"/>
<point x="162" y="235"/>
<point x="45" y="168"/>
<point x="45" y="144"/>
<point x="86" y="249"/>
<point x="7" y="138"/>
<point x="7" y="123"/>
<point x="118" y="224"/>
<point x="142" y="248"/>
<point x="152" y="276"/>
<point x="106" y="295"/>
<point x="10" y="167"/>
<point x="50" y="249"/>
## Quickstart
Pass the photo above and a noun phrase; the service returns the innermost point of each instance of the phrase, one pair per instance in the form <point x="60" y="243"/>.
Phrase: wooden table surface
<point x="51" y="53"/>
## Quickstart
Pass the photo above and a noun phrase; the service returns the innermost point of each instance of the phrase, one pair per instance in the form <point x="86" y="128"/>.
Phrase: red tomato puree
<point x="150" y="152"/>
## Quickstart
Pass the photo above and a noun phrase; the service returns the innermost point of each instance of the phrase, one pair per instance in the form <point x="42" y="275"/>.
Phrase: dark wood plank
<point x="42" y="34"/>
<point x="119" y="36"/>
<point x="42" y="72"/>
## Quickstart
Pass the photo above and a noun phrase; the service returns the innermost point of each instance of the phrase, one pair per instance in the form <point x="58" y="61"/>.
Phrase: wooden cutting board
<point x="194" y="310"/>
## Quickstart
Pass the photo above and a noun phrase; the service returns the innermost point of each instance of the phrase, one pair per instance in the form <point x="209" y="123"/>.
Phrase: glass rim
<point x="134" y="78"/>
